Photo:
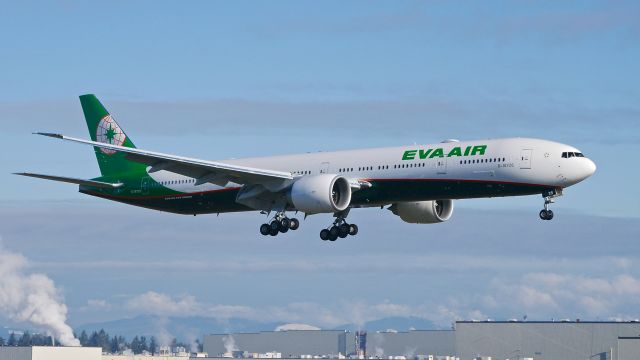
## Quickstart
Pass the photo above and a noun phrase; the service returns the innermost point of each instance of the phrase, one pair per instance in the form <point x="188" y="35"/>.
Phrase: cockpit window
<point x="571" y="154"/>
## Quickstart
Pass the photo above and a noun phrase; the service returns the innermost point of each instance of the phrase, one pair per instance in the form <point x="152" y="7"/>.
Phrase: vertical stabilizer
<point x="103" y="128"/>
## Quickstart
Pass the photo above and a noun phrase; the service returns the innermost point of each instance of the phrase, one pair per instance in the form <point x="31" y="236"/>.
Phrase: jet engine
<point x="423" y="212"/>
<point x="325" y="193"/>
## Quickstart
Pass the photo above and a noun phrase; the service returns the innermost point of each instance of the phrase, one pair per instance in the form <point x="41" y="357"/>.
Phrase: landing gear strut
<point x="549" y="195"/>
<point x="280" y="224"/>
<point x="339" y="229"/>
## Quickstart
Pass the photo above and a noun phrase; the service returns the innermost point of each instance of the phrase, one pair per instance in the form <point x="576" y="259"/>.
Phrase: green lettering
<point x="424" y="154"/>
<point x="455" y="152"/>
<point x="479" y="150"/>
<point x="466" y="151"/>
<point x="409" y="155"/>
<point x="437" y="152"/>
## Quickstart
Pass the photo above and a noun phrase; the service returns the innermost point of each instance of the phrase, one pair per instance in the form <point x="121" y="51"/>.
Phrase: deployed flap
<point x="195" y="168"/>
<point x="94" y="183"/>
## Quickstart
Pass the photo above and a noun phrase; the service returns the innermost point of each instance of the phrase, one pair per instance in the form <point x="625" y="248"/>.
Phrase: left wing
<point x="70" y="180"/>
<point x="202" y="170"/>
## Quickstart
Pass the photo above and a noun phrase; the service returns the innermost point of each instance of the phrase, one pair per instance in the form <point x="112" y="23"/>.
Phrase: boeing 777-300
<point x="417" y="183"/>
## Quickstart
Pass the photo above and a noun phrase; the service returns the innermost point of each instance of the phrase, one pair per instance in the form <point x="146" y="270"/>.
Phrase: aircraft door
<point x="324" y="168"/>
<point x="144" y="185"/>
<point x="441" y="165"/>
<point x="525" y="159"/>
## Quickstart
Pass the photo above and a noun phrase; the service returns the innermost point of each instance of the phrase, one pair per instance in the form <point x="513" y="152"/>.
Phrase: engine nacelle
<point x="423" y="212"/>
<point x="325" y="193"/>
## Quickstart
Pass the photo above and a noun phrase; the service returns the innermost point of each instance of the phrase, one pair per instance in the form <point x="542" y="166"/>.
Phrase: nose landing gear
<point x="549" y="195"/>
<point x="280" y="224"/>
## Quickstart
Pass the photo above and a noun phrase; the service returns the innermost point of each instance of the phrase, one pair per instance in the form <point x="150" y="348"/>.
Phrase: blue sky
<point x="230" y="79"/>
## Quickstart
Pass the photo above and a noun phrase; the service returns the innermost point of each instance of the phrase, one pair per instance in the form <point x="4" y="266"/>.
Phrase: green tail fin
<point x="103" y="128"/>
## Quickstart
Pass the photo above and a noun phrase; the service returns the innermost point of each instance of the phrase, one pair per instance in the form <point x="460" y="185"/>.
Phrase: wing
<point x="202" y="170"/>
<point x="100" y="184"/>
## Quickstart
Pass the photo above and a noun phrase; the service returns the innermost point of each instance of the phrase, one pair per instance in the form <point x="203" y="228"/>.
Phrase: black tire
<point x="265" y="229"/>
<point x="295" y="224"/>
<point x="275" y="225"/>
<point x="343" y="231"/>
<point x="549" y="214"/>
<point x="274" y="232"/>
<point x="285" y="224"/>
<point x="543" y="214"/>
<point x="333" y="237"/>
<point x="324" y="234"/>
<point x="334" y="231"/>
<point x="353" y="229"/>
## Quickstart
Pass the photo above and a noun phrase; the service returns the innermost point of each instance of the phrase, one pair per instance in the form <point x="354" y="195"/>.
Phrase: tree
<point x="25" y="339"/>
<point x="143" y="344"/>
<point x="84" y="339"/>
<point x="102" y="340"/>
<point x="135" y="345"/>
<point x="13" y="340"/>
<point x="2" y="342"/>
<point x="153" y="345"/>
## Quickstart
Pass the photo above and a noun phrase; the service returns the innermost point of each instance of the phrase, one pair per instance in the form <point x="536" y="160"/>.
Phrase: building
<point x="498" y="340"/>
<point x="290" y="343"/>
<point x="541" y="340"/>
<point x="50" y="353"/>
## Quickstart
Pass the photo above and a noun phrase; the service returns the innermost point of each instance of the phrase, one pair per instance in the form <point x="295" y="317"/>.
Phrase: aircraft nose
<point x="588" y="169"/>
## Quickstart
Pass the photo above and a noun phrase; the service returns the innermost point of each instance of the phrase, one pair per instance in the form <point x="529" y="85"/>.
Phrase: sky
<point x="218" y="80"/>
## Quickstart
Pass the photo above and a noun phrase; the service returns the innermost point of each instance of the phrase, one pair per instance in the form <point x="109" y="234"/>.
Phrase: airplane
<point x="418" y="183"/>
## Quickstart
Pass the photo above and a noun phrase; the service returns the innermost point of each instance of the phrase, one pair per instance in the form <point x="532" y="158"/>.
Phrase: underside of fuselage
<point x="382" y="192"/>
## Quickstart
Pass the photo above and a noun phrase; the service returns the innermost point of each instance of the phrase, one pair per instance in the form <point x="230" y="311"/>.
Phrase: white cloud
<point x="161" y="304"/>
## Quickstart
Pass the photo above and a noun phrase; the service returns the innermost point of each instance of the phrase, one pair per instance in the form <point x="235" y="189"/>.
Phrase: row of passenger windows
<point x="481" y="161"/>
<point x="571" y="154"/>
<point x="175" y="182"/>
<point x="302" y="172"/>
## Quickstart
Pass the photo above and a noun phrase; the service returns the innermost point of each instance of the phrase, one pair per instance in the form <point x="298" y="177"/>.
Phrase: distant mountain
<point x="178" y="327"/>
<point x="392" y="323"/>
<point x="190" y="327"/>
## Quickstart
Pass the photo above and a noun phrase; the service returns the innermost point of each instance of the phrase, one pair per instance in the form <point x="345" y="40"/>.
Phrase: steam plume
<point x="32" y="298"/>
<point x="229" y="343"/>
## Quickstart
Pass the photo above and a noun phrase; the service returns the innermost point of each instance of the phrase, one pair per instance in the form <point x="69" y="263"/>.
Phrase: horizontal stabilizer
<point x="94" y="183"/>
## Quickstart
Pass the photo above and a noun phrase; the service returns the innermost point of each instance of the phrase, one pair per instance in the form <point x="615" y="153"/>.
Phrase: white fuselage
<point x="512" y="160"/>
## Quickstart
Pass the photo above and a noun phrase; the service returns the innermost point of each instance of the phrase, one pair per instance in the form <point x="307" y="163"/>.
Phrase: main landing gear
<point x="546" y="213"/>
<point x="339" y="229"/>
<point x="280" y="224"/>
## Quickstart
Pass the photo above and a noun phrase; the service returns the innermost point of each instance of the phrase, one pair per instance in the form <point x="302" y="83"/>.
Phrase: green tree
<point x="2" y="342"/>
<point x="13" y="340"/>
<point x="153" y="345"/>
<point x="84" y="339"/>
<point x="25" y="339"/>
<point x="135" y="345"/>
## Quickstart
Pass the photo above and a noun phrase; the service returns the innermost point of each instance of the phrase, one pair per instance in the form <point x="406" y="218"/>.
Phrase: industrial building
<point x="497" y="340"/>
<point x="547" y="340"/>
<point x="49" y="353"/>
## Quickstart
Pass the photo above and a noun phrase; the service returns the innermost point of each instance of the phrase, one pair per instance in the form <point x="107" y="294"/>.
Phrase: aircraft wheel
<point x="332" y="237"/>
<point x="324" y="234"/>
<point x="353" y="229"/>
<point x="294" y="224"/>
<point x="343" y="231"/>
<point x="543" y="214"/>
<point x="285" y="224"/>
<point x="274" y="232"/>
<point x="275" y="225"/>
<point x="265" y="229"/>
<point x="334" y="231"/>
<point x="549" y="214"/>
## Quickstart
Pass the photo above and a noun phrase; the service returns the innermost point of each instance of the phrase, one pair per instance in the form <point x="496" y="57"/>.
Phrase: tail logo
<point x="110" y="133"/>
